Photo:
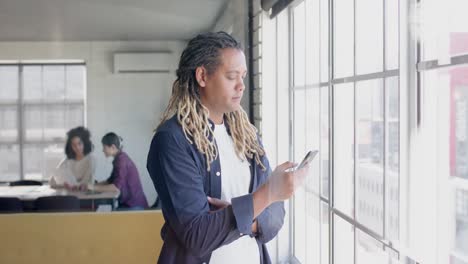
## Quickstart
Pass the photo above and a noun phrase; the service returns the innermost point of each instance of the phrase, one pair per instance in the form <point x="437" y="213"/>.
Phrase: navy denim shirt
<point x="191" y="232"/>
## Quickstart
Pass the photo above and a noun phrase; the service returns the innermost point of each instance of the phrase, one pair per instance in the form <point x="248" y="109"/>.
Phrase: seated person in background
<point x="77" y="170"/>
<point x="124" y="174"/>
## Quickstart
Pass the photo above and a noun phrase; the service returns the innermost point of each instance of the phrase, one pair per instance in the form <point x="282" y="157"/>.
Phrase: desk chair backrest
<point x="65" y="203"/>
<point x="10" y="205"/>
<point x="25" y="183"/>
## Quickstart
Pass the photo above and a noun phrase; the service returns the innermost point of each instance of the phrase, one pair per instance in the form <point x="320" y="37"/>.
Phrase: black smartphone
<point x="307" y="159"/>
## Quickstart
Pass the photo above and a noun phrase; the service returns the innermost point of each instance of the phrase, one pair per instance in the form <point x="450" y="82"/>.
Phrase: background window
<point x="351" y="115"/>
<point x="35" y="114"/>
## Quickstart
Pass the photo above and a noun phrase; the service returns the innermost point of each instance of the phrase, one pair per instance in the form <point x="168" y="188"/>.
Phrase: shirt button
<point x="218" y="173"/>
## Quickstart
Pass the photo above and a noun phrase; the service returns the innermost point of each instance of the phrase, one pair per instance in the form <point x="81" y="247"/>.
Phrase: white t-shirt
<point x="235" y="182"/>
<point x="75" y="172"/>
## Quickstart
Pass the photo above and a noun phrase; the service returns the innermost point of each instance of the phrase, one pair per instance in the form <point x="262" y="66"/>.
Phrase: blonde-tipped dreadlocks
<point x="204" y="50"/>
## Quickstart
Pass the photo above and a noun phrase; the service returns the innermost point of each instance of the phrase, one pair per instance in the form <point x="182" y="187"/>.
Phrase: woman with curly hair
<point x="77" y="170"/>
<point x="220" y="199"/>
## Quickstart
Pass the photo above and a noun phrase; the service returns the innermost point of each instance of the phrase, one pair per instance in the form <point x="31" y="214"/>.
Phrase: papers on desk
<point x="26" y="192"/>
<point x="44" y="190"/>
<point x="34" y="192"/>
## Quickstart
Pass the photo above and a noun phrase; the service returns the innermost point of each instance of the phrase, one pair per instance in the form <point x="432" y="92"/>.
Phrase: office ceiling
<point x="106" y="20"/>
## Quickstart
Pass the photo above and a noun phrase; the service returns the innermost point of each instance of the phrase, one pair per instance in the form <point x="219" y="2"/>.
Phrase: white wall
<point x="128" y="104"/>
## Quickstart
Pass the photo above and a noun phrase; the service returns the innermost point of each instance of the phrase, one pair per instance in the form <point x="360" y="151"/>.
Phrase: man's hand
<point x="217" y="203"/>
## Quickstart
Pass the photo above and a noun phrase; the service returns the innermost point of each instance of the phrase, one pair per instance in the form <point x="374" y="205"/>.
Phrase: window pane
<point x="32" y="84"/>
<point x="455" y="80"/>
<point x="369" y="36"/>
<point x="324" y="40"/>
<point x="307" y="227"/>
<point x="444" y="28"/>
<point x="461" y="236"/>
<point x="74" y="116"/>
<point x="8" y="83"/>
<point x="40" y="160"/>
<point x="324" y="233"/>
<point x="299" y="152"/>
<point x="392" y="171"/>
<point x="313" y="138"/>
<point x="33" y="163"/>
<point x="312" y="44"/>
<point x="370" y="140"/>
<point x="283" y="91"/>
<point x="54" y="122"/>
<point x="54" y="82"/>
<point x="76" y="82"/>
<point x="343" y="39"/>
<point x="33" y="123"/>
<point x="299" y="45"/>
<point x="8" y="123"/>
<point x="445" y="115"/>
<point x="343" y="242"/>
<point x="369" y="250"/>
<point x="459" y="138"/>
<point x="391" y="34"/>
<point x="9" y="167"/>
<point x="324" y="141"/>
<point x="299" y="125"/>
<point x="312" y="229"/>
<point x="344" y="148"/>
<point x="299" y="224"/>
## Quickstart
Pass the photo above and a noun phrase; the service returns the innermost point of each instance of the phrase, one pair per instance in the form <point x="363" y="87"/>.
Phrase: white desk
<point x="31" y="193"/>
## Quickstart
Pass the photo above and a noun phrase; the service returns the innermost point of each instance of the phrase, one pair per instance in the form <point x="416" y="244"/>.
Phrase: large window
<point x="39" y="103"/>
<point x="390" y="183"/>
<point x="345" y="94"/>
<point x="442" y="116"/>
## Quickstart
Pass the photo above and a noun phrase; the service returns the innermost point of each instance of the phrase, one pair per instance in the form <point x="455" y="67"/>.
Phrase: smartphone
<point x="307" y="159"/>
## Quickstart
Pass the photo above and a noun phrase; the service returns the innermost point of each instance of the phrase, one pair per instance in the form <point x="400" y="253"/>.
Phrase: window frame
<point x="21" y="104"/>
<point x="383" y="75"/>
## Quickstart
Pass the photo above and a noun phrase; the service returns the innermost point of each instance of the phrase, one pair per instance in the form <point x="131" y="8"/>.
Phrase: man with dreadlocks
<point x="220" y="200"/>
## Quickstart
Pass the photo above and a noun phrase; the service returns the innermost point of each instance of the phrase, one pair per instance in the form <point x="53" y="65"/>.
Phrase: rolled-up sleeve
<point x="242" y="207"/>
<point x="270" y="222"/>
<point x="179" y="183"/>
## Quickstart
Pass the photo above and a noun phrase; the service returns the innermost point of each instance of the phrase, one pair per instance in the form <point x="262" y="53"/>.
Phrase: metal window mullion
<point x="385" y="113"/>
<point x="365" y="77"/>
<point x="418" y="74"/>
<point x="42" y="64"/>
<point x="9" y="104"/>
<point x="21" y="120"/>
<point x="320" y="130"/>
<point x="66" y="106"/>
<point x="355" y="130"/>
<point x="291" y="118"/>
<point x="399" y="128"/>
<point x="363" y="228"/>
<point x="331" y="218"/>
<point x="305" y="120"/>
<point x="52" y="103"/>
<point x="42" y="100"/>
<point x="434" y="64"/>
<point x="277" y="139"/>
<point x="85" y="98"/>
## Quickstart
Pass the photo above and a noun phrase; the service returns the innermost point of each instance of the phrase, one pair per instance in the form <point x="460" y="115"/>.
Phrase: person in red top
<point x="124" y="174"/>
